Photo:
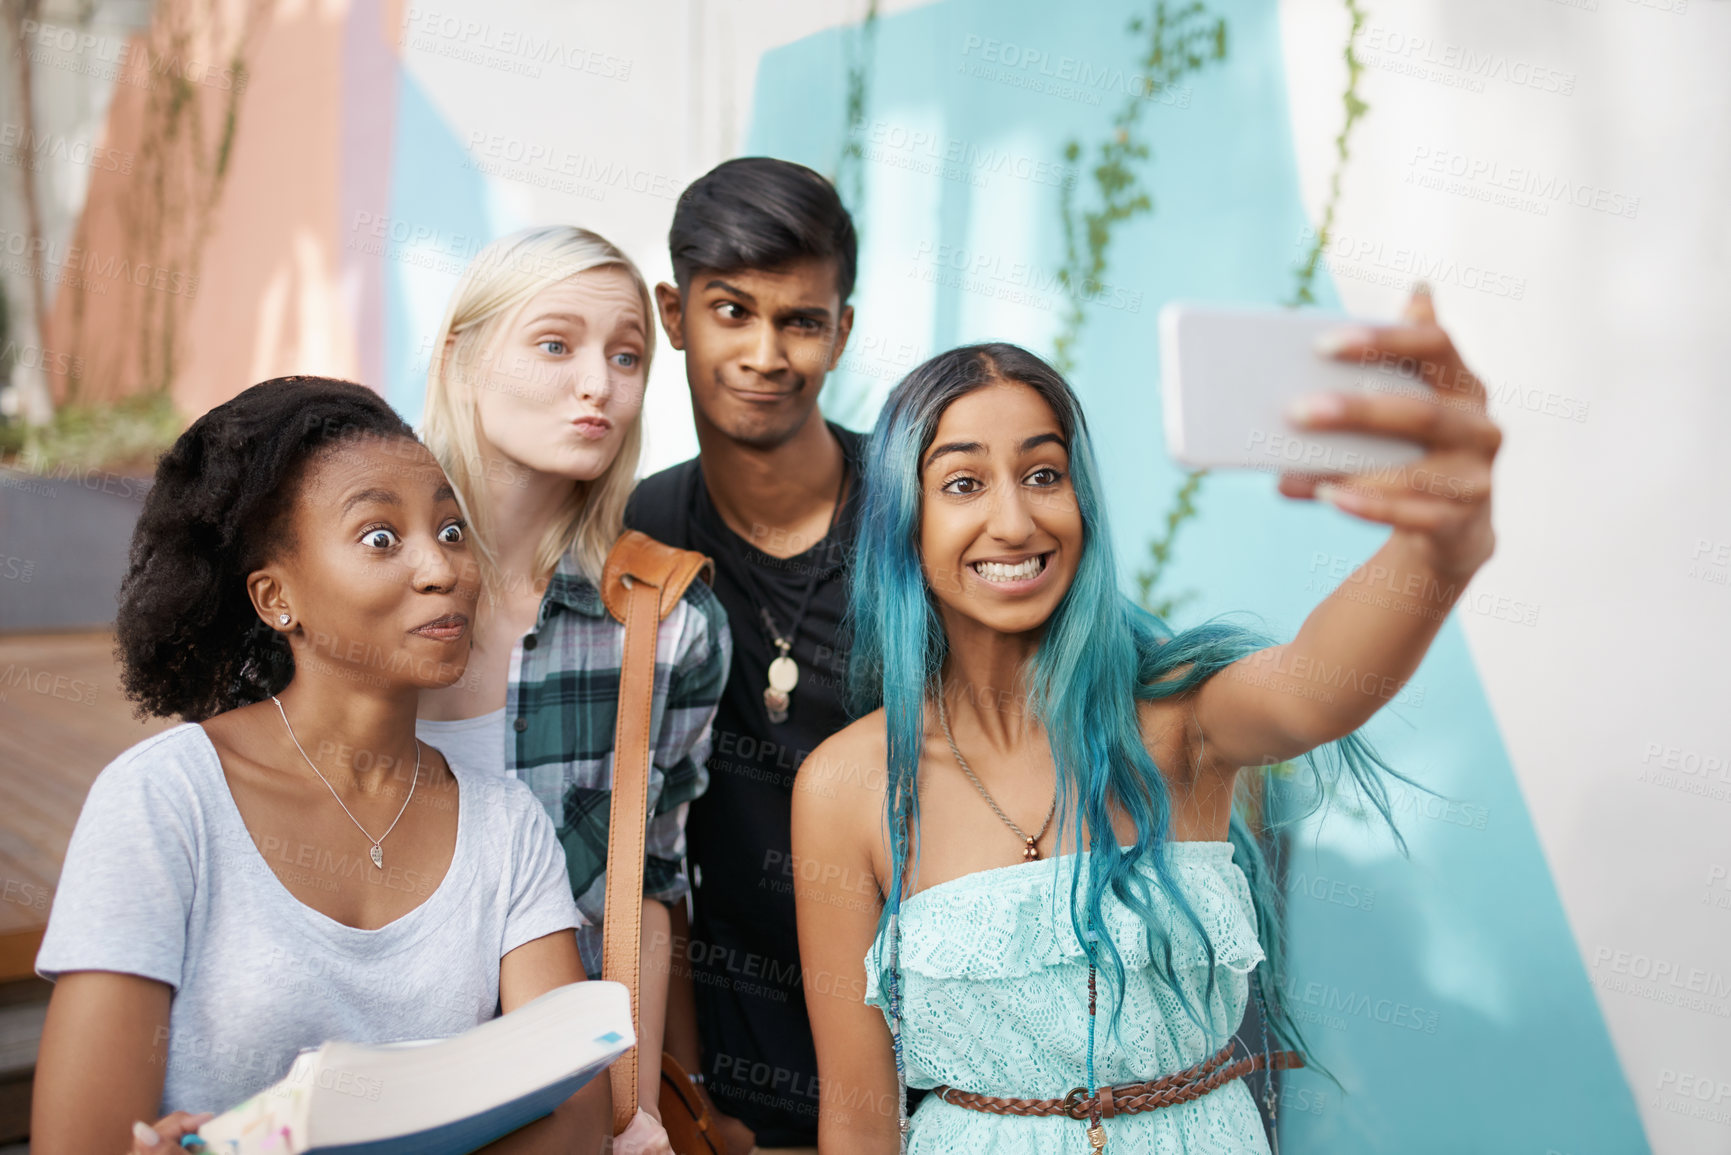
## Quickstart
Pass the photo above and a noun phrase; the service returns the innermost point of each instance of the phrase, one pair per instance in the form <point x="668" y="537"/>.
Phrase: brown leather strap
<point x="1130" y="1098"/>
<point x="642" y="581"/>
<point x="677" y="1083"/>
<point x="668" y="569"/>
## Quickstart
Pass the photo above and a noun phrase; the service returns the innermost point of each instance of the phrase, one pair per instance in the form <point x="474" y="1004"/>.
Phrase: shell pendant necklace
<point x="378" y="855"/>
<point x="1030" y="851"/>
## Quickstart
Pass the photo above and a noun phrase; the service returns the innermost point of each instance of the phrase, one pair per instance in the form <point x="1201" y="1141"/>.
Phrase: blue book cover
<point x="434" y="1097"/>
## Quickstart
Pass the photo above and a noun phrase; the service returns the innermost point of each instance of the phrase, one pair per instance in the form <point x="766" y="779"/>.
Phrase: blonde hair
<point x="501" y="277"/>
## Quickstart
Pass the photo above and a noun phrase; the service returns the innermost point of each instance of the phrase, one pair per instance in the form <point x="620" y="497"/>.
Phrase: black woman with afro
<point x="290" y="865"/>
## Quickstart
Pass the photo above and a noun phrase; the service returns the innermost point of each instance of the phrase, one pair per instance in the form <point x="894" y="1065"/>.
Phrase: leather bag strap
<point x="642" y="581"/>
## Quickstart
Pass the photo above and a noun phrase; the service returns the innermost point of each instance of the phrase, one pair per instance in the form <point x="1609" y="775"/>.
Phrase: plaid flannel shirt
<point x="561" y="707"/>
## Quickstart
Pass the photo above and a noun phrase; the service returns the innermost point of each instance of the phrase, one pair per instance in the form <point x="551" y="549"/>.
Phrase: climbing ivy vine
<point x="1184" y="507"/>
<point x="850" y="166"/>
<point x="849" y="402"/>
<point x="1181" y="40"/>
<point x="1354" y="107"/>
<point x="1160" y="550"/>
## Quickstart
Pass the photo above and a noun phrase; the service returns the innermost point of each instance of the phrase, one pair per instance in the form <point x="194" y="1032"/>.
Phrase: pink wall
<point x="272" y="290"/>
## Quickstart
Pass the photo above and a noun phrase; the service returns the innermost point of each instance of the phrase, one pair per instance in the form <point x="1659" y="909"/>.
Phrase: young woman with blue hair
<point x="1021" y="879"/>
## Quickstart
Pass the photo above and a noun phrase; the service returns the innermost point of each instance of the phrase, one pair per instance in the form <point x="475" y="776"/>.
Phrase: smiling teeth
<point x="994" y="571"/>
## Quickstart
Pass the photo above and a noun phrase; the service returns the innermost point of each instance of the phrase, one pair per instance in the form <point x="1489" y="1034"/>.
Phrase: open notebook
<point x="438" y="1097"/>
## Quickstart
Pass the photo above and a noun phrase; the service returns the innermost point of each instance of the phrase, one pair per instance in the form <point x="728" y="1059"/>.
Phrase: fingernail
<point x="1421" y="288"/>
<point x="1329" y="492"/>
<point x="144" y="1133"/>
<point x="1331" y="341"/>
<point x="1315" y="407"/>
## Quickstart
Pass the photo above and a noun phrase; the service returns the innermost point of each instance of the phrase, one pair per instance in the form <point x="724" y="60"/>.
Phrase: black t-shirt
<point x="759" y="1063"/>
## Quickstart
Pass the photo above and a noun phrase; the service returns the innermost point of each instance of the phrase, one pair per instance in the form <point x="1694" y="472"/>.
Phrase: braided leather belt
<point x="1129" y="1098"/>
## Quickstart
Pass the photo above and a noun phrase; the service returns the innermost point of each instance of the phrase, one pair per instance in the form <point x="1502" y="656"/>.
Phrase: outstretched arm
<point x="1357" y="649"/>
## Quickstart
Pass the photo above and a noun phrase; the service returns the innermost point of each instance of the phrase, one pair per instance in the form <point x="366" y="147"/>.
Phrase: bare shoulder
<point x="841" y="783"/>
<point x="861" y="737"/>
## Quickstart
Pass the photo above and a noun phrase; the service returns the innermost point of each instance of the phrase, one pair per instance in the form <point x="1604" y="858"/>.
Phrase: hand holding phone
<point x="1231" y="375"/>
<point x="1385" y="422"/>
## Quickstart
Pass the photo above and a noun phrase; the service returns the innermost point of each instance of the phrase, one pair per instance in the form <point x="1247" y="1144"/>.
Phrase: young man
<point x="763" y="257"/>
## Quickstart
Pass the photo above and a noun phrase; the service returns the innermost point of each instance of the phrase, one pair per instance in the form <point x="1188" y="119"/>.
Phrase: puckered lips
<point x="592" y="426"/>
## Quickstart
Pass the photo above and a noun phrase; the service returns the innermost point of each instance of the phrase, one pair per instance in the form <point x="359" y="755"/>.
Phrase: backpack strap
<point x="641" y="583"/>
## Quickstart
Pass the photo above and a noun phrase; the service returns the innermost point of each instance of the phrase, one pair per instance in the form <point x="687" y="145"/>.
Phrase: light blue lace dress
<point x="994" y="989"/>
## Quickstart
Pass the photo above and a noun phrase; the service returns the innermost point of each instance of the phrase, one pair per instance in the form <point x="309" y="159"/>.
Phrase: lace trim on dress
<point x="1014" y="921"/>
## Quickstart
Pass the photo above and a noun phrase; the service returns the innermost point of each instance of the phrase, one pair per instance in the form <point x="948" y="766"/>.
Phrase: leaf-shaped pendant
<point x="378" y="857"/>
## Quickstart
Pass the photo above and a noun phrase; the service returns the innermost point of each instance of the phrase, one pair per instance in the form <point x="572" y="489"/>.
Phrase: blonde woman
<point x="532" y="408"/>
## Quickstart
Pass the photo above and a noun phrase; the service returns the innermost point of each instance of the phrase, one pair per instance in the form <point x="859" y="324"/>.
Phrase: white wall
<point x="1617" y="528"/>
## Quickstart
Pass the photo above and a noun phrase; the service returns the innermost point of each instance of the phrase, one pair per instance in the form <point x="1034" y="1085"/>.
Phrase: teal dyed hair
<point x="1099" y="654"/>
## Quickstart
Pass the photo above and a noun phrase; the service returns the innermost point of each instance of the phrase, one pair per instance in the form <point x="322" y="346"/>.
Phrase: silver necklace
<point x="378" y="854"/>
<point x="1029" y="851"/>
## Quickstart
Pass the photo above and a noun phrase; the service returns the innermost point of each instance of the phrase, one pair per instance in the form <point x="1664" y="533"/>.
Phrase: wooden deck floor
<point x="62" y="719"/>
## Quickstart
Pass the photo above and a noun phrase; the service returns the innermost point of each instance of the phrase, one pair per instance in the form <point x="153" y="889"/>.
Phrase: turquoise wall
<point x="1445" y="990"/>
<point x="439" y="219"/>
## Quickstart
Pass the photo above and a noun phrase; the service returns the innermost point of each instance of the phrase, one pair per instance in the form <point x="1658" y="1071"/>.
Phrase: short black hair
<point x="757" y="212"/>
<point x="187" y="636"/>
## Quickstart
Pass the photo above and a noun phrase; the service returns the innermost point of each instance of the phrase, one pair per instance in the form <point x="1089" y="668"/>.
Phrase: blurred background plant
<point x="1178" y="41"/>
<point x="1116" y="181"/>
<point x="90" y="341"/>
<point x="124" y="436"/>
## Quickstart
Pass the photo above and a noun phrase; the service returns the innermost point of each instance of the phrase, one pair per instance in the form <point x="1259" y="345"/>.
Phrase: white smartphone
<point x="1229" y="373"/>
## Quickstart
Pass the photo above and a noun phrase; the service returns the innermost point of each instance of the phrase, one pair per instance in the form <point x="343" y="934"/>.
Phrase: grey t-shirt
<point x="163" y="880"/>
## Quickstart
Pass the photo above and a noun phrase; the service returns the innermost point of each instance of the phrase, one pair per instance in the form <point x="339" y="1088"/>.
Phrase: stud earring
<point x="284" y="619"/>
